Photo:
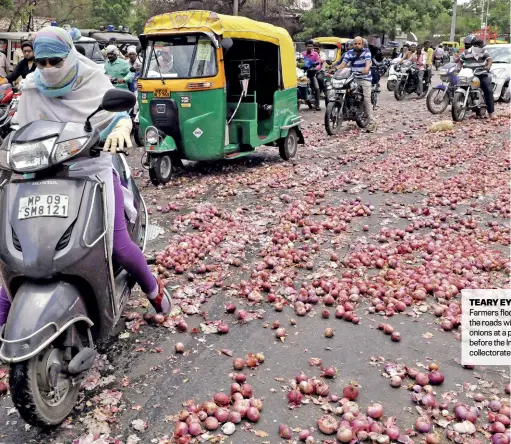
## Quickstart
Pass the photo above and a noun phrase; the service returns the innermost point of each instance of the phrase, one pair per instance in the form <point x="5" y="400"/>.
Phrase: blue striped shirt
<point x="358" y="63"/>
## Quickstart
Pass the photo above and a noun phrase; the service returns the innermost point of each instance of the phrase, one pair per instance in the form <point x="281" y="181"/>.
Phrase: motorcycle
<point x="305" y="91"/>
<point x="384" y="67"/>
<point x="8" y="121"/>
<point x="440" y="61"/>
<point x="408" y="79"/>
<point x="56" y="263"/>
<point x="6" y="95"/>
<point x="469" y="95"/>
<point x="346" y="101"/>
<point x="392" y="79"/>
<point x="439" y="97"/>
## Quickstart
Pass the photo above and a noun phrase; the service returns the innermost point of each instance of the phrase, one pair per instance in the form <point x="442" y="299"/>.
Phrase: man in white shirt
<point x="4" y="65"/>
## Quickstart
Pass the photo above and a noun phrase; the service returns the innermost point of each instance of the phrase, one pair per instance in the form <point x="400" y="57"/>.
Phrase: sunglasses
<point x="57" y="62"/>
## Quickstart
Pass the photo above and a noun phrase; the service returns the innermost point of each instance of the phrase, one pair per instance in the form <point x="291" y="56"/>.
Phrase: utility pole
<point x="453" y="23"/>
<point x="235" y="8"/>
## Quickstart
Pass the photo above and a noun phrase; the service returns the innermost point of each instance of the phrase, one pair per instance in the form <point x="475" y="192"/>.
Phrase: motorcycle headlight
<point x="338" y="83"/>
<point x="151" y="137"/>
<point x="442" y="71"/>
<point x="66" y="150"/>
<point x="32" y="156"/>
<point x="476" y="83"/>
<point x="463" y="81"/>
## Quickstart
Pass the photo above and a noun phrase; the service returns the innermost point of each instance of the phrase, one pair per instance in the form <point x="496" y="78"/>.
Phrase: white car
<point x="501" y="71"/>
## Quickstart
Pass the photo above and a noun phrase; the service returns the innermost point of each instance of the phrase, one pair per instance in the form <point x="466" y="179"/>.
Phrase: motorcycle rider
<point x="477" y="57"/>
<point x="24" y="67"/>
<point x="421" y="66"/>
<point x="321" y="73"/>
<point x="349" y="47"/>
<point x="117" y="68"/>
<point x="67" y="87"/>
<point x="359" y="59"/>
<point x="439" y="53"/>
<point x="313" y="66"/>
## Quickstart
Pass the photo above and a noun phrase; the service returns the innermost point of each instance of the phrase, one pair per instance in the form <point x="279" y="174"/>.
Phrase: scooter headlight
<point x="32" y="156"/>
<point x="66" y="150"/>
<point x="151" y="137"/>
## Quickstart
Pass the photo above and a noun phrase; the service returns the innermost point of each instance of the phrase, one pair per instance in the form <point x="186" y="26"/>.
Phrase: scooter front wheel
<point x="160" y="169"/>
<point x="42" y="394"/>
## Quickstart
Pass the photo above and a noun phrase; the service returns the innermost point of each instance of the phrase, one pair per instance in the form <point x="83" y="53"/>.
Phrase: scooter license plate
<point x="43" y="205"/>
<point x="161" y="93"/>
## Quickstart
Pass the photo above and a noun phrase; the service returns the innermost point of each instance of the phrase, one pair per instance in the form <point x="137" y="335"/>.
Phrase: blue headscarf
<point x="55" y="42"/>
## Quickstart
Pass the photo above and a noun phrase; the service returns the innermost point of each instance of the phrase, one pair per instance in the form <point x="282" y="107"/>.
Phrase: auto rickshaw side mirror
<point x="227" y="44"/>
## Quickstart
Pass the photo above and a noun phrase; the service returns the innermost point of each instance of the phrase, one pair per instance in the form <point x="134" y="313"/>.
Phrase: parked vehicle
<point x="123" y="39"/>
<point x="346" y="101"/>
<point x="408" y="80"/>
<point x="468" y="95"/>
<point x="215" y="95"/>
<point x="333" y="47"/>
<point x="440" y="96"/>
<point x="56" y="265"/>
<point x="384" y="67"/>
<point x="501" y="71"/>
<point x="392" y="79"/>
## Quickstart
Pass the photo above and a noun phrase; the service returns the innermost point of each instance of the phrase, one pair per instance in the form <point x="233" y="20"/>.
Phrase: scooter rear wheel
<point x="32" y="396"/>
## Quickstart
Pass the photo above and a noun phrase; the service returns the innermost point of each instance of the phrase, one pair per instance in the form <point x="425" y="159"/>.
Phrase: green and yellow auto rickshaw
<point x="214" y="87"/>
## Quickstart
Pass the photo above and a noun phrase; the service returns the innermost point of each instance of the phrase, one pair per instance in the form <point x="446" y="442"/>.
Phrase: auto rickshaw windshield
<point x="330" y="52"/>
<point x="180" y="57"/>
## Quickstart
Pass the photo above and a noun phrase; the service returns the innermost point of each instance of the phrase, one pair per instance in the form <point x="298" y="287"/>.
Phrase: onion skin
<point x="328" y="424"/>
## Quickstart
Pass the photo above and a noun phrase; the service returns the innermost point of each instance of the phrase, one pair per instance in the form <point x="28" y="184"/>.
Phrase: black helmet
<point x="469" y="41"/>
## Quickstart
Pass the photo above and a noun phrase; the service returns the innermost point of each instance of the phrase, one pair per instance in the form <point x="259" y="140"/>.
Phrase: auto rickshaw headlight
<point x="151" y="137"/>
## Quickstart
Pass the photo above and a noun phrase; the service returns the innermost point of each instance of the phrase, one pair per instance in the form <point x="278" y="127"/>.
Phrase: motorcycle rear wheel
<point x="31" y="395"/>
<point x="363" y="121"/>
<point x="458" y="110"/>
<point x="333" y="118"/>
<point x="433" y="102"/>
<point x="399" y="91"/>
<point x="391" y="85"/>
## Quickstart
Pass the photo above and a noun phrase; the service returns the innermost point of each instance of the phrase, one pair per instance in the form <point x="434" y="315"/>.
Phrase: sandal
<point x="161" y="303"/>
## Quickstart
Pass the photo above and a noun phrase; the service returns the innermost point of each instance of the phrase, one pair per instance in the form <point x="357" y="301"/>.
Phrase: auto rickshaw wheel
<point x="288" y="145"/>
<point x="136" y="135"/>
<point x="160" y="168"/>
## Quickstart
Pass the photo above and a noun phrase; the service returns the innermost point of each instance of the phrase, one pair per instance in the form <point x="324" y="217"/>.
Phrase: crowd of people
<point x="365" y="59"/>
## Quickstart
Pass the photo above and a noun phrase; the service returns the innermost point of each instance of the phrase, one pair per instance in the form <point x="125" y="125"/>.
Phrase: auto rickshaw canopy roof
<point x="228" y="26"/>
<point x="331" y="40"/>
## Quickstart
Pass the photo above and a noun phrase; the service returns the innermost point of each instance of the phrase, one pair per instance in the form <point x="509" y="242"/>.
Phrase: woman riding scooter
<point x="68" y="87"/>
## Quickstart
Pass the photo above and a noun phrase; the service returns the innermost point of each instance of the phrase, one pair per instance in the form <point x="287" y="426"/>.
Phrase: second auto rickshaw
<point x="213" y="87"/>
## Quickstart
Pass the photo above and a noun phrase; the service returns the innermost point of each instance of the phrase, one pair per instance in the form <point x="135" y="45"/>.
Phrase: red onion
<point x="325" y="314"/>
<point x="285" y="432"/>
<point x="253" y="414"/>
<point x="329" y="332"/>
<point x="422" y="379"/>
<point x="211" y="423"/>
<point x="235" y="417"/>
<point x="432" y="438"/>
<point x="230" y="308"/>
<point x="327" y="424"/>
<point x="500" y="438"/>
<point x="210" y="408"/>
<point x="180" y="429"/>
<point x="393" y="432"/>
<point x="395" y="336"/>
<point x="241" y="406"/>
<point x="375" y="411"/>
<point x="246" y="390"/>
<point x="183" y="414"/>
<point x="388" y="329"/>
<point x="321" y="389"/>
<point x="423" y="424"/>
<point x="235" y="388"/>
<point x="428" y="400"/>
<point x="497" y="427"/>
<point x="503" y="419"/>
<point x="182" y="326"/>
<point x="280" y="333"/>
<point x="505" y="411"/>
<point x="240" y="377"/>
<point x="303" y="435"/>
<point x="495" y="405"/>
<point x="223" y="328"/>
<point x="222" y="414"/>
<point x="221" y="399"/>
<point x="238" y="363"/>
<point x="446" y="325"/>
<point x="461" y="412"/>
<point x="412" y="373"/>
<point x="329" y="372"/>
<point x="479" y="397"/>
<point x="295" y="397"/>
<point x="195" y="429"/>
<point x="306" y="388"/>
<point x="435" y="378"/>
<point x="328" y="300"/>
<point x="350" y="392"/>
<point x="344" y="434"/>
<point x="180" y="347"/>
<point x="301" y="377"/>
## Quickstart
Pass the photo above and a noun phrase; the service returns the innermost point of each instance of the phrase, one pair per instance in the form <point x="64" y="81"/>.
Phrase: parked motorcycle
<point x="440" y="96"/>
<point x="408" y="80"/>
<point x="392" y="79"/>
<point x="56" y="262"/>
<point x="6" y="95"/>
<point x="469" y="95"/>
<point x="346" y="101"/>
<point x="8" y="120"/>
<point x="440" y="61"/>
<point x="384" y="67"/>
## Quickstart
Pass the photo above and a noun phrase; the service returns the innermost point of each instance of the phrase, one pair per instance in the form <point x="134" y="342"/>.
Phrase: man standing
<point x="24" y="67"/>
<point x="428" y="50"/>
<point x="312" y="64"/>
<point x="321" y="73"/>
<point x="360" y="61"/>
<point x="117" y="69"/>
<point x="4" y="65"/>
<point x="135" y="65"/>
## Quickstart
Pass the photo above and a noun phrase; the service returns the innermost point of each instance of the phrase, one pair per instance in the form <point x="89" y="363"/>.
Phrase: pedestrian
<point x="24" y="67"/>
<point x="421" y="66"/>
<point x="429" y="60"/>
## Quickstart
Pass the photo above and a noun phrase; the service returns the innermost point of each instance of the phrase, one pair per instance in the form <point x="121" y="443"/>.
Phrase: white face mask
<point x="477" y="50"/>
<point x="53" y="76"/>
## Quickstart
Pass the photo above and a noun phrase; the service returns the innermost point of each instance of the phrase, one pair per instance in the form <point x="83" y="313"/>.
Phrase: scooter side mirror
<point x="117" y="100"/>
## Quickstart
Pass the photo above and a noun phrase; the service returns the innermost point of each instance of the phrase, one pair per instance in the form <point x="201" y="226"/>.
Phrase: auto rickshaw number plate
<point x="161" y="93"/>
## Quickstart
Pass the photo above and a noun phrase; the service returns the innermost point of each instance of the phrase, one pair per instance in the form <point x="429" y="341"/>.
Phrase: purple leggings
<point x="125" y="252"/>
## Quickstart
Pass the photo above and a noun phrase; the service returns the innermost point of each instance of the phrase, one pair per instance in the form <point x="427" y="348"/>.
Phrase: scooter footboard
<point x="40" y="312"/>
